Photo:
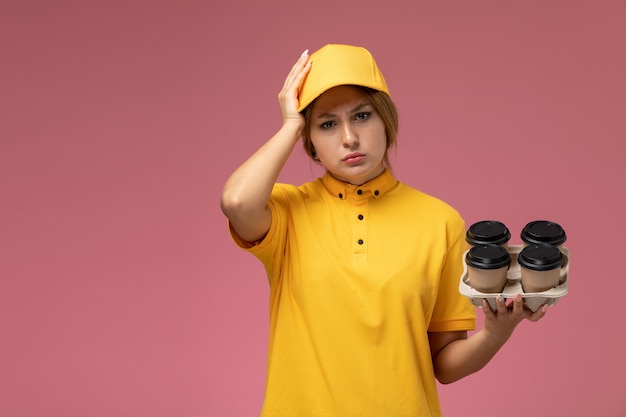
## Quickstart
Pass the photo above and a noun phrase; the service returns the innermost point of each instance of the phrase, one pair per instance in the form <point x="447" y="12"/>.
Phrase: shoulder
<point x="289" y="192"/>
<point x="428" y="211"/>
<point x="424" y="200"/>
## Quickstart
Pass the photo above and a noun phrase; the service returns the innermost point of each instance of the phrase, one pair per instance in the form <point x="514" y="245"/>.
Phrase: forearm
<point x="248" y="189"/>
<point x="246" y="193"/>
<point x="463" y="357"/>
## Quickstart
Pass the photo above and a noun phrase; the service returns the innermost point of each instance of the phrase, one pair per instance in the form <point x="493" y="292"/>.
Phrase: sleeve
<point x="453" y="311"/>
<point x="271" y="248"/>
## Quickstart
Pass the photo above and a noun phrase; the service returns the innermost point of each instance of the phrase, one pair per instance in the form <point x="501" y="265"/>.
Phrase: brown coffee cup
<point x="540" y="267"/>
<point x="487" y="267"/>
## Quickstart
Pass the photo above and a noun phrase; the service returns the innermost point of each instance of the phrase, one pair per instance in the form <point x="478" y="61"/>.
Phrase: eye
<point x="327" y="125"/>
<point x="362" y="115"/>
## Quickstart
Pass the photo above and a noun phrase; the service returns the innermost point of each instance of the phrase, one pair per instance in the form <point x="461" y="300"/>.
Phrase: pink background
<point x="121" y="293"/>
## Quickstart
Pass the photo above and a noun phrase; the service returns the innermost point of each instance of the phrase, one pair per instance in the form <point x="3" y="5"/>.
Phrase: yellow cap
<point x="335" y="65"/>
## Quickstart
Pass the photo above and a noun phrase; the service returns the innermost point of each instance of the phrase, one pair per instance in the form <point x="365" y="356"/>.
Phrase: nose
<point x="350" y="138"/>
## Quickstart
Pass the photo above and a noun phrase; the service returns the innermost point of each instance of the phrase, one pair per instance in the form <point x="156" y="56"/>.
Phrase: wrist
<point x="495" y="338"/>
<point x="292" y="128"/>
<point x="293" y="125"/>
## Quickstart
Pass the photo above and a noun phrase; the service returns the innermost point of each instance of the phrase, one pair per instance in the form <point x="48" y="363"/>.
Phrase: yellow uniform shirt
<point x="358" y="276"/>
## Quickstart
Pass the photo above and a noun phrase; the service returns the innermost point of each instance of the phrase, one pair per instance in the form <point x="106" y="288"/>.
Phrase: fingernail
<point x="305" y="53"/>
<point x="545" y="308"/>
<point x="518" y="297"/>
<point x="501" y="298"/>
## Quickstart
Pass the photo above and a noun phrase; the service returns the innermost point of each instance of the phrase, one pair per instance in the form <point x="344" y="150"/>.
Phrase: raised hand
<point x="288" y="96"/>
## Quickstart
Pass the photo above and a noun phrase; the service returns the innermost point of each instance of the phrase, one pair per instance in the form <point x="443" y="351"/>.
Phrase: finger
<point x="518" y="306"/>
<point x="302" y="59"/>
<point x="487" y="311"/>
<point x="297" y="68"/>
<point x="540" y="313"/>
<point x="501" y="304"/>
<point x="288" y="96"/>
<point x="299" y="76"/>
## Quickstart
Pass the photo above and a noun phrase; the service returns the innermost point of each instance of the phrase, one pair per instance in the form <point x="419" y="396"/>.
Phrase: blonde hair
<point x="383" y="105"/>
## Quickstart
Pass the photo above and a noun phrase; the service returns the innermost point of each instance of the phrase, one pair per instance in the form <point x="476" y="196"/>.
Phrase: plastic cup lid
<point x="487" y="232"/>
<point x="543" y="231"/>
<point x="540" y="257"/>
<point x="488" y="257"/>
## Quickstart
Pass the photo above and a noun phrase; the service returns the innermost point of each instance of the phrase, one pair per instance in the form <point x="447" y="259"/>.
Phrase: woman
<point x="363" y="269"/>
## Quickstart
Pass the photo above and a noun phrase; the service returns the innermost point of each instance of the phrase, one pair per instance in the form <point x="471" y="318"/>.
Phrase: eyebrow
<point x="353" y="110"/>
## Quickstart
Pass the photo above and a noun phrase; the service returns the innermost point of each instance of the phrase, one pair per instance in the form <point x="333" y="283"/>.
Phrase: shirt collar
<point x="375" y="187"/>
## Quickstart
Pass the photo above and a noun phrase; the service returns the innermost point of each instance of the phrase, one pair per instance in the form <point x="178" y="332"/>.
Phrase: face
<point x="348" y="135"/>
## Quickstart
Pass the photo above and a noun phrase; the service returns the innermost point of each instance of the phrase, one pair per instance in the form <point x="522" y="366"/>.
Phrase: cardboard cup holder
<point x="513" y="286"/>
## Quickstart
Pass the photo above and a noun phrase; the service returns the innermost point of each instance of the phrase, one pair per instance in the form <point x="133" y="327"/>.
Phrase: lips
<point x="355" y="156"/>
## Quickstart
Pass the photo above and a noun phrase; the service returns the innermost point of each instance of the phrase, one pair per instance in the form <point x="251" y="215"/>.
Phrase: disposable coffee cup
<point x="543" y="232"/>
<point x="487" y="267"/>
<point x="540" y="267"/>
<point x="488" y="232"/>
